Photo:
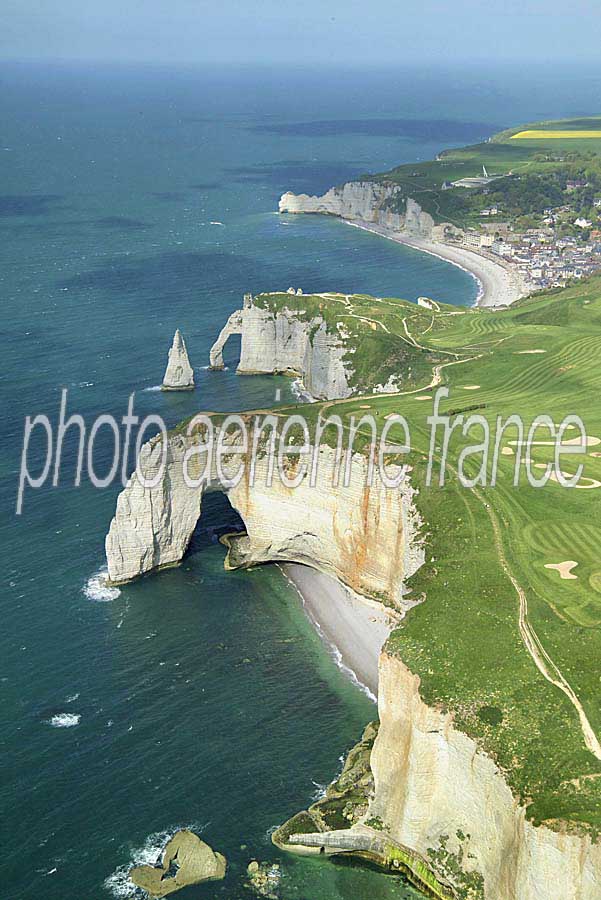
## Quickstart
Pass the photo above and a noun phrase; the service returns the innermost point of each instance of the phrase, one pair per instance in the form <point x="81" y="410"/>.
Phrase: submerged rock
<point x="186" y="860"/>
<point x="264" y="879"/>
<point x="179" y="375"/>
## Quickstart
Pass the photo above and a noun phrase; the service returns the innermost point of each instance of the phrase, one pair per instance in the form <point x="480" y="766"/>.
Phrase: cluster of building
<point x="539" y="255"/>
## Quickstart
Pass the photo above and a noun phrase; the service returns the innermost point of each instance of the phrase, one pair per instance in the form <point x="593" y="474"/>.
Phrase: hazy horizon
<point x="341" y="33"/>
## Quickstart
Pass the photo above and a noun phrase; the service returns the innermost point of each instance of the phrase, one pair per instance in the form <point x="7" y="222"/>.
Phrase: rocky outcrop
<point x="365" y="535"/>
<point x="364" y="201"/>
<point x="441" y="803"/>
<point x="285" y="341"/>
<point x="186" y="860"/>
<point x="264" y="879"/>
<point x="179" y="375"/>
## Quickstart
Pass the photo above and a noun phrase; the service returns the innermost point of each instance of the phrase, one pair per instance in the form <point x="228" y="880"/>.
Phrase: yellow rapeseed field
<point x="538" y="135"/>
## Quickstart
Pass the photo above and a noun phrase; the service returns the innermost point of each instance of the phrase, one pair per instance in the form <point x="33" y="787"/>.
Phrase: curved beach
<point x="353" y="627"/>
<point x="498" y="285"/>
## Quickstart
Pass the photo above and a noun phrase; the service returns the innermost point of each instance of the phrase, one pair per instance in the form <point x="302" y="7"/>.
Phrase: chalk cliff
<point x="439" y="806"/>
<point x="179" y="375"/>
<point x="364" y="201"/>
<point x="365" y="535"/>
<point x="440" y="795"/>
<point x="287" y="342"/>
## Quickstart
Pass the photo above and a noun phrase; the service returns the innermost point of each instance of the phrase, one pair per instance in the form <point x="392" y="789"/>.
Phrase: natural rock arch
<point x="366" y="535"/>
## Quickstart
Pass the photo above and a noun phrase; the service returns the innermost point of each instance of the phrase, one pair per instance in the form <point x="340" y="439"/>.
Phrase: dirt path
<point x="533" y="644"/>
<point x="546" y="666"/>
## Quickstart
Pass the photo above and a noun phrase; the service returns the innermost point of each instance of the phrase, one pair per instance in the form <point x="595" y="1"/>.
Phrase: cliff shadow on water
<point x="217" y="518"/>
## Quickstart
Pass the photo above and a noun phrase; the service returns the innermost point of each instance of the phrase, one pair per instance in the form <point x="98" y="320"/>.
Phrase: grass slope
<point x="501" y="155"/>
<point x="464" y="640"/>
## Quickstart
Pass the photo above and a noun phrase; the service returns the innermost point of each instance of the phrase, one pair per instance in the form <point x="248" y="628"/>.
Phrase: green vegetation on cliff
<point x="466" y="640"/>
<point x="536" y="174"/>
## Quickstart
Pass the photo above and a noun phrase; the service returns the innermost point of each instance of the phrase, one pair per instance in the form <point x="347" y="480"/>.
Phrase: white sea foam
<point x="320" y="791"/>
<point x="155" y="387"/>
<point x="301" y="393"/>
<point x="119" y="883"/>
<point x="64" y="720"/>
<point x="97" y="589"/>
<point x="72" y="698"/>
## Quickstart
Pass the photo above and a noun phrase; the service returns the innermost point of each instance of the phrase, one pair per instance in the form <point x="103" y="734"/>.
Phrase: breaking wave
<point x="64" y="720"/>
<point x="98" y="590"/>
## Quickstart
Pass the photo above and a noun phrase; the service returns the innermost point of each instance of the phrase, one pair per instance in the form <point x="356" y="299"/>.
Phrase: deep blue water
<point x="204" y="698"/>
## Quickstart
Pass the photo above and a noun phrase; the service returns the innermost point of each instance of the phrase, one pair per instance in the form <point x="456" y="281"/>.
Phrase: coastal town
<point x="561" y="244"/>
<point x="540" y="256"/>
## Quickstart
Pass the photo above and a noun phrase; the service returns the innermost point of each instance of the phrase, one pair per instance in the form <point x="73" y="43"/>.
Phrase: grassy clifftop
<point x="468" y="641"/>
<point x="552" y="160"/>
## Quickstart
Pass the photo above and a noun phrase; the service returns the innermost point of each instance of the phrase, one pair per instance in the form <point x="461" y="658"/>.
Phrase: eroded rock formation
<point x="179" y="375"/>
<point x="186" y="860"/>
<point x="365" y="535"/>
<point x="364" y="201"/>
<point x="285" y="342"/>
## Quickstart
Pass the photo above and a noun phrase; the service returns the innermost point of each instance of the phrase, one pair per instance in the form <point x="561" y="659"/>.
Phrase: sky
<point x="299" y="32"/>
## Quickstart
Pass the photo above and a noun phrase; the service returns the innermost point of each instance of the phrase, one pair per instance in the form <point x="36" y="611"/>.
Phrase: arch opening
<point x="217" y="518"/>
<point x="232" y="351"/>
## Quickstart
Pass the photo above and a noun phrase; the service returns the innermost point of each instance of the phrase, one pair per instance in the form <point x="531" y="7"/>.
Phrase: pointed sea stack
<point x="179" y="375"/>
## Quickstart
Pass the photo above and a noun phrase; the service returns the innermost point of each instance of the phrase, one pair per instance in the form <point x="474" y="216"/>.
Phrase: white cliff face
<point x="179" y="375"/>
<point x="418" y="223"/>
<point x="282" y="342"/>
<point x="152" y="526"/>
<point x="364" y="535"/>
<point x="363" y="201"/>
<point x="353" y="200"/>
<point x="434" y="789"/>
<point x="432" y="782"/>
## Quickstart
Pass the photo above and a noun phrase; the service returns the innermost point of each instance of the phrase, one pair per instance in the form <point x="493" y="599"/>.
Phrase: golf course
<point x="506" y="630"/>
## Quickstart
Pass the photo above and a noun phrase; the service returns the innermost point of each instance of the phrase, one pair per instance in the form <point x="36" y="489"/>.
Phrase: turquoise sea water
<point x="200" y="698"/>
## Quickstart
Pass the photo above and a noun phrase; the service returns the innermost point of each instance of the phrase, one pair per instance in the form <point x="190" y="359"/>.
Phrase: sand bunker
<point x="595" y="454"/>
<point x="471" y="387"/>
<point x="590" y="441"/>
<point x="507" y="451"/>
<point x="564" y="568"/>
<point x="521" y="352"/>
<point x="584" y="483"/>
<point x="426" y="397"/>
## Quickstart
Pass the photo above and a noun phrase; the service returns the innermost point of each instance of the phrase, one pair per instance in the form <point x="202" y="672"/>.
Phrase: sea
<point x="134" y="201"/>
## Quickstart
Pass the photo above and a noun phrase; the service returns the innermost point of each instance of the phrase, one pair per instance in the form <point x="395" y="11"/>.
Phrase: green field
<point x="465" y="640"/>
<point x="554" y="158"/>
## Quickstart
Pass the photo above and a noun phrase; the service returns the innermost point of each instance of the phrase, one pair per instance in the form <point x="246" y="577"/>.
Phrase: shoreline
<point x="497" y="285"/>
<point x="353" y="629"/>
